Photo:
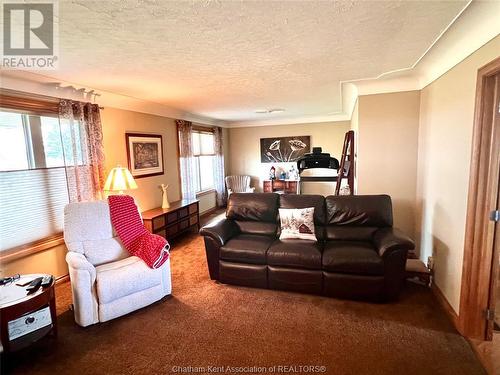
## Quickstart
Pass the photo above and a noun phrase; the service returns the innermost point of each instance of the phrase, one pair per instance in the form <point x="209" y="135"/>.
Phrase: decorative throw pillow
<point x="297" y="223"/>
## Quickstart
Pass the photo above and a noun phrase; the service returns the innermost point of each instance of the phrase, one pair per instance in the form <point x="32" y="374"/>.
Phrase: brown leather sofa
<point x="357" y="255"/>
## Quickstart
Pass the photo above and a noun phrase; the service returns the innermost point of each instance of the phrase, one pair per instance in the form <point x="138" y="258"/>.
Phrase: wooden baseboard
<point x="445" y="304"/>
<point x="208" y="212"/>
<point x="62" y="279"/>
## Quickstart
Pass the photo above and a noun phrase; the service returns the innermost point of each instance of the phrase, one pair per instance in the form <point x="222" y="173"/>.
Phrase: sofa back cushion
<point x="357" y="217"/>
<point x="254" y="213"/>
<point x="306" y="201"/>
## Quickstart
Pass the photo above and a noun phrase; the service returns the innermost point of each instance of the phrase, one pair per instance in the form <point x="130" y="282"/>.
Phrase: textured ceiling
<point x="226" y="59"/>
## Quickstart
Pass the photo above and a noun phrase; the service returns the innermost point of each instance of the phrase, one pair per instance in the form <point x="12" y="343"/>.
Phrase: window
<point x="204" y="153"/>
<point x="33" y="188"/>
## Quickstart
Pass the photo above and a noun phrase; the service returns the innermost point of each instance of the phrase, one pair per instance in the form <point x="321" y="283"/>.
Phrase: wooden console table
<point x="286" y="186"/>
<point x="170" y="222"/>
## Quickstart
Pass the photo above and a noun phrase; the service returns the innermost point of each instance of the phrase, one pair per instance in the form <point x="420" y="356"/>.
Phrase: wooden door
<point x="481" y="234"/>
<point x="493" y="304"/>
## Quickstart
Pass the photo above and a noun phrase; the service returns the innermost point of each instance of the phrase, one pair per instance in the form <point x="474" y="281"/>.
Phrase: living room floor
<point x="206" y="324"/>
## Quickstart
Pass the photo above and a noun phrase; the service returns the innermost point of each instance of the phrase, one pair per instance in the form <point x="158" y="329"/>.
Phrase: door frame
<point x="478" y="264"/>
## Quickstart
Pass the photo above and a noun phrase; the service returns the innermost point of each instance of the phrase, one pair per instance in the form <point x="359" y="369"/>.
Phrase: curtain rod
<point x="48" y="98"/>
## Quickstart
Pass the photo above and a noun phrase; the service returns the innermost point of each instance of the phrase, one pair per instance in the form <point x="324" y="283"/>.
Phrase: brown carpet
<point x="211" y="324"/>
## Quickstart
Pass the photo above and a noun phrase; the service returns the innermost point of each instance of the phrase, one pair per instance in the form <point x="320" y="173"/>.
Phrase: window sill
<point x="31" y="248"/>
<point x="204" y="192"/>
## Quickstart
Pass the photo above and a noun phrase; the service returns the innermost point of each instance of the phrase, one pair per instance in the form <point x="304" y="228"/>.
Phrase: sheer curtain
<point x="81" y="136"/>
<point x="184" y="129"/>
<point x="220" y="187"/>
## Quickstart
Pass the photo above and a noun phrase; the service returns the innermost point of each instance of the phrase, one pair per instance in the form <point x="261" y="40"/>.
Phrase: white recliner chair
<point x="106" y="281"/>
<point x="238" y="184"/>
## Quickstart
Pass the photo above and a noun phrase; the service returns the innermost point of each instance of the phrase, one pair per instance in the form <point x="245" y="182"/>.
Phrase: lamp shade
<point x="120" y="179"/>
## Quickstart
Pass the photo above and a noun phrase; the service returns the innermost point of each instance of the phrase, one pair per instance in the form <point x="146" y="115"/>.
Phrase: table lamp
<point x="120" y="179"/>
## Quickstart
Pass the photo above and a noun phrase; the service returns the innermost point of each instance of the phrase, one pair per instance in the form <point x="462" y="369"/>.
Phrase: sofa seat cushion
<point x="295" y="253"/>
<point x="125" y="277"/>
<point x="246" y="248"/>
<point x="353" y="257"/>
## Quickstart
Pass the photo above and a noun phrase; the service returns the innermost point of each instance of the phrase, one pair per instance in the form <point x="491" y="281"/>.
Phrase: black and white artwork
<point x="284" y="149"/>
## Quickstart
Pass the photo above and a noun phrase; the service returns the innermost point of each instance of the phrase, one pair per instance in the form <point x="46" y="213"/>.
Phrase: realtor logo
<point x="29" y="35"/>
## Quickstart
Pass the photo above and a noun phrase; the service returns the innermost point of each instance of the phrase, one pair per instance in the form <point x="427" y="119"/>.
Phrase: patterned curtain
<point x="184" y="129"/>
<point x="219" y="168"/>
<point x="81" y="135"/>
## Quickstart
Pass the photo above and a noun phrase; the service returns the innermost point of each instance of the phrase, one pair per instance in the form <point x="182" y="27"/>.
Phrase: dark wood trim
<point x="146" y="135"/>
<point x="202" y="129"/>
<point x="445" y="304"/>
<point x="210" y="211"/>
<point x="62" y="279"/>
<point x="479" y="232"/>
<point x="25" y="103"/>
<point x="31" y="248"/>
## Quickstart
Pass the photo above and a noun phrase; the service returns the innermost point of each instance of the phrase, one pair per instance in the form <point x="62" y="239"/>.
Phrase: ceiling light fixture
<point x="276" y="110"/>
<point x="273" y="110"/>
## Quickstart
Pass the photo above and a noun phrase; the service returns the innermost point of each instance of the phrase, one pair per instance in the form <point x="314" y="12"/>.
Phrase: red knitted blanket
<point x="151" y="248"/>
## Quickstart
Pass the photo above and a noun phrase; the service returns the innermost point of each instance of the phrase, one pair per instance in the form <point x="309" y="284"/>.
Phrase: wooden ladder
<point x="347" y="163"/>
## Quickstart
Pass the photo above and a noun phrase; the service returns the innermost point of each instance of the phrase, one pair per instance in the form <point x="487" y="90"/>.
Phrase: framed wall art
<point x="144" y="154"/>
<point x="284" y="149"/>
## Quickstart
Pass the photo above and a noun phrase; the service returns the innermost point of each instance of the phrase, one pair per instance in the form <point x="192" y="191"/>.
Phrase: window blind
<point x="31" y="205"/>
<point x="203" y="143"/>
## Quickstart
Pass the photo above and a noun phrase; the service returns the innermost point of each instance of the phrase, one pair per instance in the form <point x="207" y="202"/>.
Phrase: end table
<point x="25" y="318"/>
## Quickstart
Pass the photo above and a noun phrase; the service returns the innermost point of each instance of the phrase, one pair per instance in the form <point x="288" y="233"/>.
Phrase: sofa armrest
<point x="221" y="231"/>
<point x="388" y="240"/>
<point x="216" y="235"/>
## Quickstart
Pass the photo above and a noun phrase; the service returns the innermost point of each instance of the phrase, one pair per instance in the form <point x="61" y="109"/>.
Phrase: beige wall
<point x="445" y="139"/>
<point x="244" y="145"/>
<point x="115" y="123"/>
<point x="51" y="261"/>
<point x="387" y="151"/>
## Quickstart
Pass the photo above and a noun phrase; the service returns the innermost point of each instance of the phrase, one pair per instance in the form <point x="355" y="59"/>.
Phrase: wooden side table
<point x="285" y="186"/>
<point x="24" y="318"/>
<point x="170" y="222"/>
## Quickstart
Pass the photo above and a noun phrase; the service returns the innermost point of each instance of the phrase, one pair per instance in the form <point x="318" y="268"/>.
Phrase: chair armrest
<point x="250" y="190"/>
<point x="229" y="191"/>
<point x="388" y="240"/>
<point x="83" y="278"/>
<point x="221" y="231"/>
<point x="78" y="262"/>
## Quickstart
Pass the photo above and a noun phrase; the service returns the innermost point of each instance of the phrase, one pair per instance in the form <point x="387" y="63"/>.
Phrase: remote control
<point x="47" y="280"/>
<point x="34" y="285"/>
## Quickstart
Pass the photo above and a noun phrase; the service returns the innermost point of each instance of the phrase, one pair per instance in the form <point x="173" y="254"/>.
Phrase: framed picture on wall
<point x="284" y="149"/>
<point x="144" y="154"/>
